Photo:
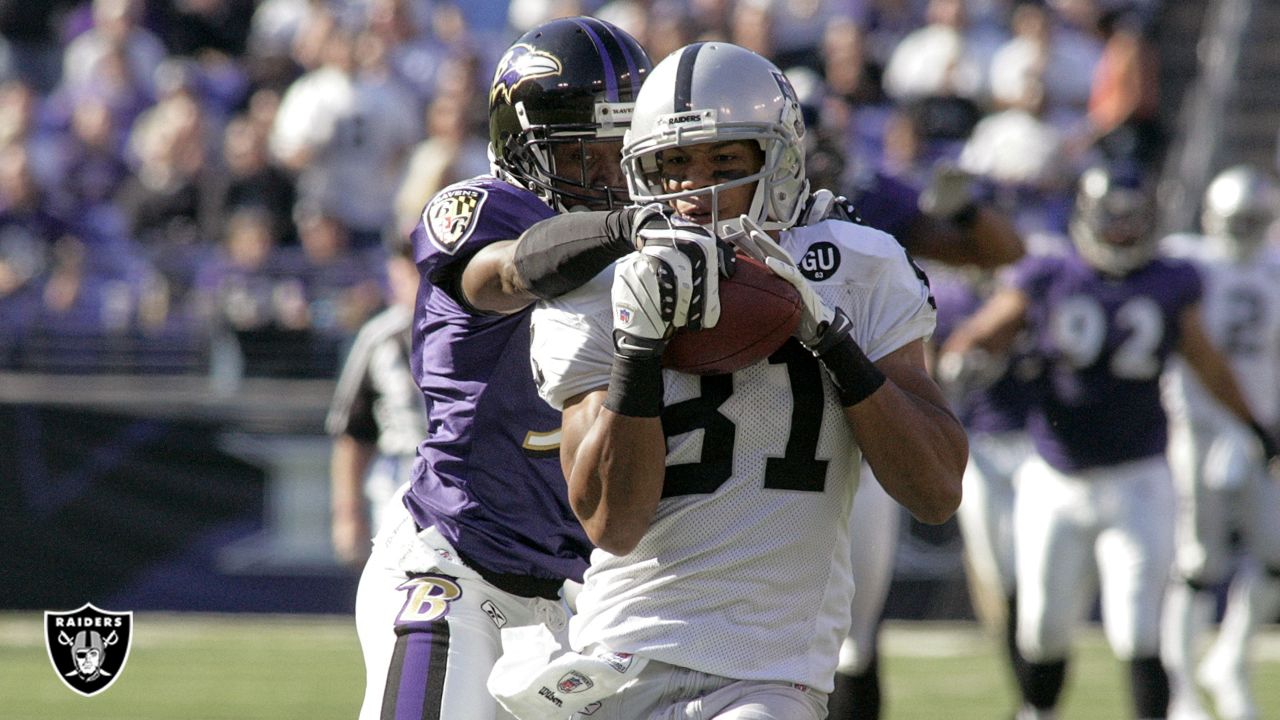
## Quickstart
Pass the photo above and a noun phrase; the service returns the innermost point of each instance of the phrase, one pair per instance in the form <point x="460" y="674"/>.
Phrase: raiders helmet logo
<point x="451" y="216"/>
<point x="820" y="261"/>
<point x="519" y="64"/>
<point x="88" y="647"/>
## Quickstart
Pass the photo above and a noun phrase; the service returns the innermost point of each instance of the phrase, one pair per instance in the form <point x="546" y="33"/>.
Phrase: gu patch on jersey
<point x="820" y="261"/>
<point x="451" y="216"/>
<point x="88" y="647"/>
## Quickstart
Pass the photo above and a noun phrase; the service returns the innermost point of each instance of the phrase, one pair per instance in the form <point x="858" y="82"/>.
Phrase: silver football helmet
<point x="718" y="92"/>
<point x="1113" y="223"/>
<point x="1239" y="207"/>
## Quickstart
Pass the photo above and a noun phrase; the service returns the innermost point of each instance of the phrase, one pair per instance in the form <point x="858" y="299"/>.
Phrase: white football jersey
<point x="745" y="570"/>
<point x="1240" y="311"/>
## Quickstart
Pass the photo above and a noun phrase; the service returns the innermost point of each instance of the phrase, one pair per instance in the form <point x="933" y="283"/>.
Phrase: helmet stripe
<point x="624" y="49"/>
<point x="610" y="75"/>
<point x="684" y="78"/>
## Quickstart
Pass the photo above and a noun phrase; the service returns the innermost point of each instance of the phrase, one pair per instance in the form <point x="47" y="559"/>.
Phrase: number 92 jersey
<point x="744" y="571"/>
<point x="1105" y="341"/>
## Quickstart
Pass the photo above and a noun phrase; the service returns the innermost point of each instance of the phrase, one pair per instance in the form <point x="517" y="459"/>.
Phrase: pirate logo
<point x="451" y="216"/>
<point x="521" y="63"/>
<point x="88" y="647"/>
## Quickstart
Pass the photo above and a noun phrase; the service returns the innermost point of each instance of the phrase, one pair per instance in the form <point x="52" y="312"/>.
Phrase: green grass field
<point x="203" y="667"/>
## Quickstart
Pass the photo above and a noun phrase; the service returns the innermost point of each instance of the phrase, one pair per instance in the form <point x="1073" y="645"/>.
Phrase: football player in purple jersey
<point x="1096" y="497"/>
<point x="486" y="539"/>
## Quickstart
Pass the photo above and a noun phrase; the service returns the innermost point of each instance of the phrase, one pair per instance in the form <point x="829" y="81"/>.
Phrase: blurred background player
<point x="718" y="134"/>
<point x="1223" y="487"/>
<point x="1098" y="489"/>
<point x="485" y="537"/>
<point x="376" y="418"/>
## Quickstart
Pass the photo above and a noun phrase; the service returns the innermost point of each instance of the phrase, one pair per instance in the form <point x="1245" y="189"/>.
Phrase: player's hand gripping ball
<point x="758" y="312"/>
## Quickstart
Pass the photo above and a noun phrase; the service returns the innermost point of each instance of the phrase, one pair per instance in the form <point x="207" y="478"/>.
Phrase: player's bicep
<point x="579" y="414"/>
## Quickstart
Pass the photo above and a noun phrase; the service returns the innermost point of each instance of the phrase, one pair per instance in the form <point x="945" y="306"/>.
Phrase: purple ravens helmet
<point x="572" y="80"/>
<point x="1113" y="224"/>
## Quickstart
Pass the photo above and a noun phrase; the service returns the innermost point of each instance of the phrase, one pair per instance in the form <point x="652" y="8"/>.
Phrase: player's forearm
<point x="916" y="448"/>
<point x="615" y="482"/>
<point x="347" y="464"/>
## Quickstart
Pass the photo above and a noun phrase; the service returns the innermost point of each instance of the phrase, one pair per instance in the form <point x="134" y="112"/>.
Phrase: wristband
<point x="563" y="252"/>
<point x="635" y="386"/>
<point x="851" y="371"/>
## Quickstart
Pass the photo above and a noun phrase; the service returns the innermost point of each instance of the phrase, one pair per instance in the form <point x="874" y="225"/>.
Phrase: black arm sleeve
<point x="561" y="253"/>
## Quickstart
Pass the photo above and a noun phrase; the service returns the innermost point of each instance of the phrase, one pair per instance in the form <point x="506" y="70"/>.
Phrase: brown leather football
<point x="758" y="312"/>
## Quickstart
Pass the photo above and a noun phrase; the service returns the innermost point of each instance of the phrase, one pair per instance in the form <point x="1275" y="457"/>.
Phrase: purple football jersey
<point x="488" y="475"/>
<point x="1104" y="341"/>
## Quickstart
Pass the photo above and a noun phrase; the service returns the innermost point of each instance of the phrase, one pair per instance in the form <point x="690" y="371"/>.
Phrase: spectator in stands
<point x="90" y="165"/>
<point x="341" y="284"/>
<point x="344" y="130"/>
<point x="1018" y="146"/>
<point x="946" y="57"/>
<point x="116" y="32"/>
<point x="29" y="49"/>
<point x="845" y="66"/>
<point x="236" y="284"/>
<point x="162" y="202"/>
<point x="1124" y="104"/>
<point x="414" y="55"/>
<point x="798" y="29"/>
<point x="252" y="180"/>
<point x="454" y="150"/>
<point x="886" y="23"/>
<point x="377" y="416"/>
<point x="28" y="227"/>
<point x="1061" y="57"/>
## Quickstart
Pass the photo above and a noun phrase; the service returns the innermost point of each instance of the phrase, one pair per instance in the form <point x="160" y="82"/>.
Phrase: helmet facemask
<point x="531" y="159"/>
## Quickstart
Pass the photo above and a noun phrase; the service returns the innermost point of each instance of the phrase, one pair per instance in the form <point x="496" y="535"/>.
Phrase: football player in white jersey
<point x="1221" y="482"/>
<point x="719" y="504"/>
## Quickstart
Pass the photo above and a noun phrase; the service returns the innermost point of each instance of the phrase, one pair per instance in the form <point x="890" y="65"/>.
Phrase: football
<point x="758" y="312"/>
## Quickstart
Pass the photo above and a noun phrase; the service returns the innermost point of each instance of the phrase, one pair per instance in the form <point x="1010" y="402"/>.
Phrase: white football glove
<point x="666" y="238"/>
<point x="817" y="315"/>
<point x="650" y="292"/>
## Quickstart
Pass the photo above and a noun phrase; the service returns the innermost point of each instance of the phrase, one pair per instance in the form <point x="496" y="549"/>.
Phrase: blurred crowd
<point x="188" y="180"/>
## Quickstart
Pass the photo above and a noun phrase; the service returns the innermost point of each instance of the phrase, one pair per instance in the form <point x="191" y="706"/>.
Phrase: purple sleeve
<point x="467" y="216"/>
<point x="887" y="204"/>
